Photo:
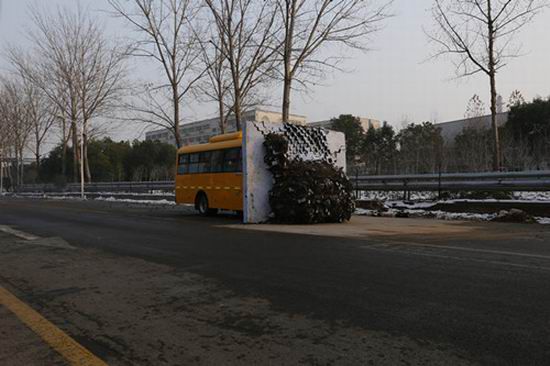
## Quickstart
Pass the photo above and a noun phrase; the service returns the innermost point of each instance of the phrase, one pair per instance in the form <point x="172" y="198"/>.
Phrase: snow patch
<point x="127" y="200"/>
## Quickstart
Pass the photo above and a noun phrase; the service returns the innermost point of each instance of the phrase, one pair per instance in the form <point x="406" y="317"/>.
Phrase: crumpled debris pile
<point x="514" y="216"/>
<point x="306" y="192"/>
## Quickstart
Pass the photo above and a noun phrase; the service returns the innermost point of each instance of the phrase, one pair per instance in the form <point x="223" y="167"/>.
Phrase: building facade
<point x="366" y="123"/>
<point x="449" y="130"/>
<point x="199" y="132"/>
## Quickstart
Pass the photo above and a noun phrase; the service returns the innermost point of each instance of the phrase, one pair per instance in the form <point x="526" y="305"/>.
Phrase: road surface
<point x="413" y="291"/>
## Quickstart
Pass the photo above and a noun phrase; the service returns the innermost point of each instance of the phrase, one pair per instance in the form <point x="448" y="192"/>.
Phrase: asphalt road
<point x="487" y="293"/>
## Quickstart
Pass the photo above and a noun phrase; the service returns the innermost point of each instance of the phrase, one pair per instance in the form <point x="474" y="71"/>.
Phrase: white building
<point x="366" y="123"/>
<point x="449" y="130"/>
<point x="199" y="132"/>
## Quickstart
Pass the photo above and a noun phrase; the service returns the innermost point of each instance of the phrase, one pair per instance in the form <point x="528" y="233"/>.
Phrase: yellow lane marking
<point x="72" y="351"/>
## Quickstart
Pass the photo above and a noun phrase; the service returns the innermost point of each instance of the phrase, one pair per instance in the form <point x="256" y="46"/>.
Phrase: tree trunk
<point x="64" y="152"/>
<point x="286" y="97"/>
<point x="492" y="78"/>
<point x="238" y="113"/>
<point x="75" y="150"/>
<point x="289" y="39"/>
<point x="175" y="96"/>
<point x="37" y="161"/>
<point x="221" y="112"/>
<point x="21" y="167"/>
<point x="85" y="157"/>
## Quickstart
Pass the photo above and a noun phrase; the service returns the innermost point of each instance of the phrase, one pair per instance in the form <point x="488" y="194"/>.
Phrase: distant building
<point x="366" y="123"/>
<point x="449" y="130"/>
<point x="199" y="132"/>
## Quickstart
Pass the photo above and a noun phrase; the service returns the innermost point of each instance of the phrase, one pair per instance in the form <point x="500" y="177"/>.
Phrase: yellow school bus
<point x="209" y="175"/>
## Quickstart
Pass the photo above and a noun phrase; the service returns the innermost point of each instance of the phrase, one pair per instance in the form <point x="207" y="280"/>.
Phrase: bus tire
<point x="202" y="205"/>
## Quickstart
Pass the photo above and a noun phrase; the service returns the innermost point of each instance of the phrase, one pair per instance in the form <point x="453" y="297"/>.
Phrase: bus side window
<point x="193" y="163"/>
<point x="216" y="161"/>
<point x="232" y="160"/>
<point x="204" y="162"/>
<point x="183" y="164"/>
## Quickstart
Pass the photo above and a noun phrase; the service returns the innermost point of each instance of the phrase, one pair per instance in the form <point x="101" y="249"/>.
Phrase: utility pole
<point x="82" y="162"/>
<point x="1" y="174"/>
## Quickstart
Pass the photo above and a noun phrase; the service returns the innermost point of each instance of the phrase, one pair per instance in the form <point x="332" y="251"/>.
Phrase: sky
<point x="396" y="81"/>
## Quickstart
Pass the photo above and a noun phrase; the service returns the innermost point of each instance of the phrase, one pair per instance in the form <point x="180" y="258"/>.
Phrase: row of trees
<point x="110" y="162"/>
<point x="70" y="79"/>
<point x="73" y="82"/>
<point x="420" y="148"/>
<point x="230" y="51"/>
<point x="75" y="78"/>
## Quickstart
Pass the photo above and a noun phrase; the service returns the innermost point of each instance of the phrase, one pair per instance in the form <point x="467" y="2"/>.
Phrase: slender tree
<point x="479" y="36"/>
<point x="516" y="99"/>
<point x="16" y="116"/>
<point x="475" y="107"/>
<point x="309" y="27"/>
<point x="76" y="68"/>
<point x="168" y="38"/>
<point x="42" y="117"/>
<point x="216" y="87"/>
<point x="246" y="37"/>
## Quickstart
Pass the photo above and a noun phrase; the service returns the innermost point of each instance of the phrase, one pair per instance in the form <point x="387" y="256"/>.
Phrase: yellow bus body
<point x="222" y="189"/>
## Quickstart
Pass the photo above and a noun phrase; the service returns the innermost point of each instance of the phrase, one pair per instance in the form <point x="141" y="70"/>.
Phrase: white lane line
<point x="465" y="249"/>
<point x="20" y="234"/>
<point x="464" y="259"/>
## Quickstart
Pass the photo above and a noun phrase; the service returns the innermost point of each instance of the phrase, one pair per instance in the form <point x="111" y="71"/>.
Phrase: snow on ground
<point x="439" y="215"/>
<point x="153" y="193"/>
<point x="127" y="200"/>
<point x="532" y="196"/>
<point x="433" y="196"/>
<point x="396" y="195"/>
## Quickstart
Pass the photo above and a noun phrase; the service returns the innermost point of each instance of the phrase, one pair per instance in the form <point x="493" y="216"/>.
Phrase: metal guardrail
<point x="134" y="187"/>
<point x="509" y="181"/>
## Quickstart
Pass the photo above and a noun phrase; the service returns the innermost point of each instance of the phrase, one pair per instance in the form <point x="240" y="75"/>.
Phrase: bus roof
<point x="225" y="141"/>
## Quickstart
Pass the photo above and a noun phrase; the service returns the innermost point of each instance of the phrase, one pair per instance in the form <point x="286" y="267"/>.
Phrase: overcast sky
<point x="394" y="82"/>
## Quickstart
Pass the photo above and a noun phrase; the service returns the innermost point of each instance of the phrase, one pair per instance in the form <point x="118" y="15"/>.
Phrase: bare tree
<point x="475" y="107"/>
<point x="42" y="115"/>
<point x="246" y="38"/>
<point x="16" y="118"/>
<point x="168" y="38"/>
<point x="6" y="136"/>
<point x="479" y="36"/>
<point x="216" y="86"/>
<point x="308" y="27"/>
<point x="516" y="99"/>
<point x="77" y="69"/>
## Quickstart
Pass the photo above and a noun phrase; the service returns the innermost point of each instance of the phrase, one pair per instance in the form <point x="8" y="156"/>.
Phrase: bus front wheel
<point x="203" y="207"/>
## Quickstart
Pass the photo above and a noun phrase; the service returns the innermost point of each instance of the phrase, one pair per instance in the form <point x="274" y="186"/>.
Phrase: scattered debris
<point x="374" y="204"/>
<point x="514" y="215"/>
